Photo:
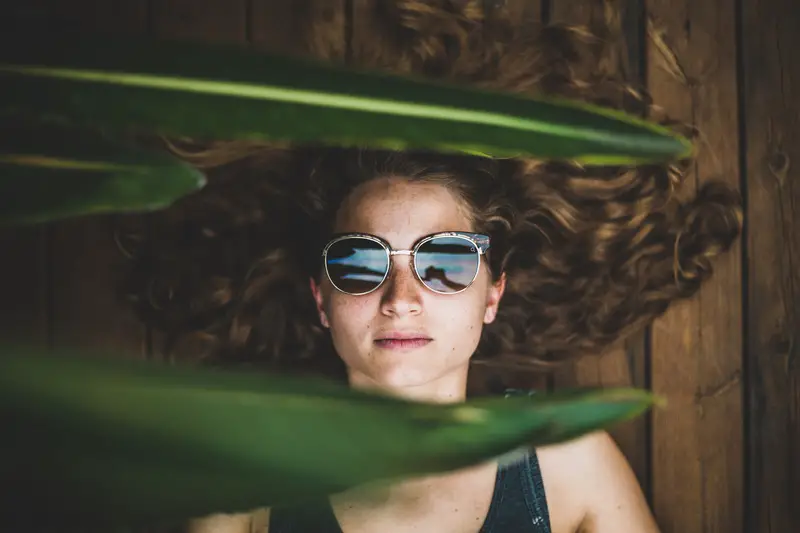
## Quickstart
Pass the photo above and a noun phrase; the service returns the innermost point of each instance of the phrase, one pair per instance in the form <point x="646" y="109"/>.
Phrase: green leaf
<point x="53" y="173"/>
<point x="205" y="91"/>
<point x="102" y="442"/>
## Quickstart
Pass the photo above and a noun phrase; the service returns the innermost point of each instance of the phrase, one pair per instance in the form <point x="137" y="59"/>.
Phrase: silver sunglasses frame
<point x="479" y="241"/>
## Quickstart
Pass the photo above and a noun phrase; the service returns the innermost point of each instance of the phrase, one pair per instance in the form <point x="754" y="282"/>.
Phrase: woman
<point x="401" y="268"/>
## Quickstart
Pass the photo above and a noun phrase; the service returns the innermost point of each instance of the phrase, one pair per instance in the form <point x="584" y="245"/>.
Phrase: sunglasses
<point x="446" y="263"/>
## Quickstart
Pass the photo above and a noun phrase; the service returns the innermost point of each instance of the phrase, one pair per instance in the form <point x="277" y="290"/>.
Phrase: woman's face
<point x="401" y="212"/>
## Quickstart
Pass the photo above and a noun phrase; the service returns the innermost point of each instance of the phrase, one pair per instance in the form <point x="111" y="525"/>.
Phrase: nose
<point x="402" y="294"/>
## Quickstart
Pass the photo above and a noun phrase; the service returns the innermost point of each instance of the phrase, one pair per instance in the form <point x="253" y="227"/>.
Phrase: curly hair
<point x="590" y="253"/>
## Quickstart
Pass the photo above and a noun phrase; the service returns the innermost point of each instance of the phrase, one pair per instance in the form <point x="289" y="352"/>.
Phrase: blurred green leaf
<point x="209" y="91"/>
<point x="54" y="172"/>
<point x="102" y="442"/>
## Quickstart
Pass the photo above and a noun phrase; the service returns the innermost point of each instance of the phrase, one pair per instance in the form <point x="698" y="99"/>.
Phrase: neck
<point x="415" y="495"/>
<point x="449" y="388"/>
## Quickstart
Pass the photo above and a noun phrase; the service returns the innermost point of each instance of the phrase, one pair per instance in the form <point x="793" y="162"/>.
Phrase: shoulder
<point x="256" y="521"/>
<point x="594" y="453"/>
<point x="590" y="487"/>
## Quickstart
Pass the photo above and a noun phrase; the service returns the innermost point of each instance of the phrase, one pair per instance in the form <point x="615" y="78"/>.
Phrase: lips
<point x="397" y="340"/>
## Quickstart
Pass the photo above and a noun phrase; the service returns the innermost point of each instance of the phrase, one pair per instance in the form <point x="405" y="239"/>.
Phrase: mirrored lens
<point x="357" y="265"/>
<point x="447" y="264"/>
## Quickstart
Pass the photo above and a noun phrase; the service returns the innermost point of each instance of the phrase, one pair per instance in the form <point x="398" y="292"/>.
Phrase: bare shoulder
<point x="591" y="488"/>
<point x="256" y="521"/>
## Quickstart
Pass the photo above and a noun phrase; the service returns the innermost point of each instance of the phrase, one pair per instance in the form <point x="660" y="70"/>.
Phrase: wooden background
<point x="724" y="456"/>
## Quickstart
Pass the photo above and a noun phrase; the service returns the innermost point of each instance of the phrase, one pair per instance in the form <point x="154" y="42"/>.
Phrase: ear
<point x="493" y="298"/>
<point x="316" y="290"/>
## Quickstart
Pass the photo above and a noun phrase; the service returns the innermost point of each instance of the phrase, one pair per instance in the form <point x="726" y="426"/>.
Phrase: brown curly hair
<point x="590" y="253"/>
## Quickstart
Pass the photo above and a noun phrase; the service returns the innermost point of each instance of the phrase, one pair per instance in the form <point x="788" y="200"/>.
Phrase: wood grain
<point x="210" y="21"/>
<point x="24" y="269"/>
<point x="87" y="311"/>
<point x="294" y="28"/>
<point x="128" y="17"/>
<point x="771" y="105"/>
<point x="24" y="285"/>
<point x="625" y="364"/>
<point x="56" y="278"/>
<point x="697" y="345"/>
<point x="83" y="260"/>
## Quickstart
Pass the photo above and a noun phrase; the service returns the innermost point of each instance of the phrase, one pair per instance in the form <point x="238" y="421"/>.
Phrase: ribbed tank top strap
<point x="519" y="503"/>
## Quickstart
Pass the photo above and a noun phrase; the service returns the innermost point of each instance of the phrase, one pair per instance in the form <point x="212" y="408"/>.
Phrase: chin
<point x="405" y="376"/>
<point x="401" y="379"/>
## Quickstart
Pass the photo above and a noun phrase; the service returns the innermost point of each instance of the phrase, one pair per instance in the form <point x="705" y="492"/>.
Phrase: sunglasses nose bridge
<point x="401" y="287"/>
<point x="407" y="253"/>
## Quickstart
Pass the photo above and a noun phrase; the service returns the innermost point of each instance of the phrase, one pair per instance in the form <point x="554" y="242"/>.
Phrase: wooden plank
<point x="24" y="284"/>
<point x="626" y="363"/>
<point x="82" y="258"/>
<point x="24" y="270"/>
<point x="300" y="28"/>
<point x="87" y="311"/>
<point x="697" y="345"/>
<point x="218" y="21"/>
<point x="128" y="18"/>
<point x="273" y="26"/>
<point x="91" y="15"/>
<point x="771" y="92"/>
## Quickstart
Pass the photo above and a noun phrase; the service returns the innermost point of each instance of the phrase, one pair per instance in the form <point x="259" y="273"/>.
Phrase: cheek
<point x="463" y="312"/>
<point x="349" y="314"/>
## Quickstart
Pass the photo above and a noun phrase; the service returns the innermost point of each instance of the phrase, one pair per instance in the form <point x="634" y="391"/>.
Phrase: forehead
<point x="402" y="211"/>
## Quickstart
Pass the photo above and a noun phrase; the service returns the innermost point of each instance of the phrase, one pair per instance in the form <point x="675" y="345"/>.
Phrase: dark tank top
<point x="518" y="505"/>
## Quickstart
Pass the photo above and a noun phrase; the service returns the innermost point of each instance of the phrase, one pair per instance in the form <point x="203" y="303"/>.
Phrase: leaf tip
<point x="658" y="401"/>
<point x="470" y="414"/>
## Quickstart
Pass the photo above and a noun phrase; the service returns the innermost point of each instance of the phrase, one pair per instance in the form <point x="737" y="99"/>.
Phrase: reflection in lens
<point x="356" y="265"/>
<point x="447" y="264"/>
